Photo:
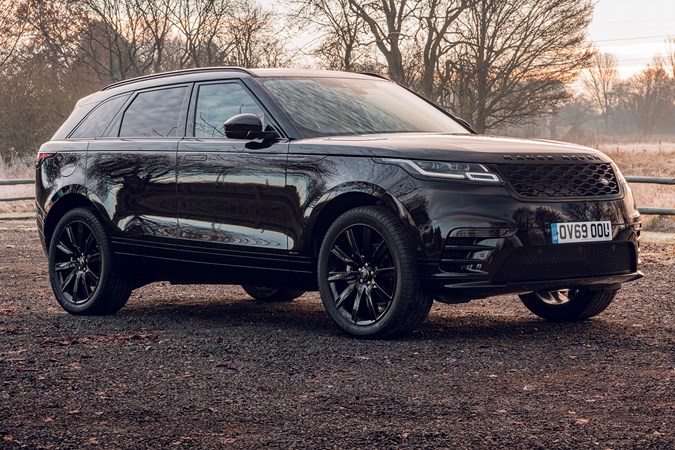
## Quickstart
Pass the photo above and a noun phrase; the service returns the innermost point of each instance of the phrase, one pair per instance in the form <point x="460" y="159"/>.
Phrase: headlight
<point x="452" y="170"/>
<point x="619" y="176"/>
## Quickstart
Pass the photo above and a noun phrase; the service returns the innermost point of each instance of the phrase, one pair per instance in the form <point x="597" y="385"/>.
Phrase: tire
<point x="265" y="294"/>
<point x="367" y="275"/>
<point x="569" y="304"/>
<point x="82" y="269"/>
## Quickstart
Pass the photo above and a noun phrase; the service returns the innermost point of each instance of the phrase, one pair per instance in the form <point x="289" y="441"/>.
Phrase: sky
<point x="634" y="30"/>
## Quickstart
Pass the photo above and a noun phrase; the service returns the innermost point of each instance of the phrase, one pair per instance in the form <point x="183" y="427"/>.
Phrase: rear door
<point x="233" y="206"/>
<point x="132" y="169"/>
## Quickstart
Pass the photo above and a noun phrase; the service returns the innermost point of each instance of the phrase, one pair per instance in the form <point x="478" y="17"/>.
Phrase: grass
<point x="656" y="159"/>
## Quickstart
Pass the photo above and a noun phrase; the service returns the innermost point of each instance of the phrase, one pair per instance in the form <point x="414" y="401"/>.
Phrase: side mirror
<point x="246" y="126"/>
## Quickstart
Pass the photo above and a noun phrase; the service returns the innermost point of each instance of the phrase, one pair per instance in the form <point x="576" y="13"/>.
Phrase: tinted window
<point x="348" y="106"/>
<point x="154" y="114"/>
<point x="218" y="102"/>
<point x="99" y="119"/>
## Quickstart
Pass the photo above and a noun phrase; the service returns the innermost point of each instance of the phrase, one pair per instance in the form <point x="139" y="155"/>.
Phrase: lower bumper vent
<point x="567" y="261"/>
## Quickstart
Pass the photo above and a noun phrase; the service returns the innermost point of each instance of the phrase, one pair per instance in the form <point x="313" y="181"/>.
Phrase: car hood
<point x="449" y="147"/>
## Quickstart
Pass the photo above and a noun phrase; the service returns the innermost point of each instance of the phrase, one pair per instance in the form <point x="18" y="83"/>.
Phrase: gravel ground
<point x="206" y="367"/>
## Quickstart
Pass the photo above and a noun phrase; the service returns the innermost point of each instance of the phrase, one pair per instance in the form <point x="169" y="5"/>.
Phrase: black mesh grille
<point x="561" y="180"/>
<point x="567" y="261"/>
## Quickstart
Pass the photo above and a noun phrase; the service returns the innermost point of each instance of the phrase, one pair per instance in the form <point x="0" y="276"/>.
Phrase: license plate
<point x="563" y="233"/>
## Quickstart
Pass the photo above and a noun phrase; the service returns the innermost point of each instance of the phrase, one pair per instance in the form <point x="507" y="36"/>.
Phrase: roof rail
<point x="172" y="73"/>
<point x="376" y="75"/>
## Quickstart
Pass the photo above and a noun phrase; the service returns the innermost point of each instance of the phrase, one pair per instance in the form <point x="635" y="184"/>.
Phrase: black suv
<point x="288" y="181"/>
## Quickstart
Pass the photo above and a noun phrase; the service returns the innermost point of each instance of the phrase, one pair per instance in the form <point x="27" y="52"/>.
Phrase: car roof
<point x="177" y="77"/>
<point x="205" y="73"/>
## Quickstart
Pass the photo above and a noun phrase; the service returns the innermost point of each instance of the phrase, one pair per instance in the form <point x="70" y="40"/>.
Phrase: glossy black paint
<point x="232" y="208"/>
<point x="219" y="210"/>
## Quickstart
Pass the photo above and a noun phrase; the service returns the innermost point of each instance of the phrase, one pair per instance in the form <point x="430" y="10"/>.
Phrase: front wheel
<point x="568" y="305"/>
<point x="367" y="275"/>
<point x="82" y="271"/>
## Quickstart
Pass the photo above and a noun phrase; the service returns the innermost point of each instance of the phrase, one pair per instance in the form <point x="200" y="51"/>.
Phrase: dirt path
<point x="205" y="367"/>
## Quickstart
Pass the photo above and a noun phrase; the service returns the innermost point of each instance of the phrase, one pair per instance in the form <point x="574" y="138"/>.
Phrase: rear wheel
<point x="568" y="304"/>
<point x="82" y="271"/>
<point x="265" y="294"/>
<point x="367" y="275"/>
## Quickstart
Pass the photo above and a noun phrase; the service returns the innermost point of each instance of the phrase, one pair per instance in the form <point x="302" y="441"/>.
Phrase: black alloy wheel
<point x="77" y="262"/>
<point x="362" y="277"/>
<point x="368" y="275"/>
<point x="81" y="269"/>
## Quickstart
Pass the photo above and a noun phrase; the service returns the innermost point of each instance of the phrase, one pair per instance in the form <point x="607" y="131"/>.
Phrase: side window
<point x="218" y="102"/>
<point x="154" y="114"/>
<point x="98" y="120"/>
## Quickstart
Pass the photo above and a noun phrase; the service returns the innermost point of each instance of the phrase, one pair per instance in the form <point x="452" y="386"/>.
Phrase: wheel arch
<point x="64" y="202"/>
<point x="344" y="198"/>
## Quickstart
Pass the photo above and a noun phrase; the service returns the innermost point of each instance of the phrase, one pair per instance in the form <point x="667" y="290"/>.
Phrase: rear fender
<point x="67" y="198"/>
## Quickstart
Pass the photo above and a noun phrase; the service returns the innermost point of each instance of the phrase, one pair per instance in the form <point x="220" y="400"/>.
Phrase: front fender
<point x="341" y="198"/>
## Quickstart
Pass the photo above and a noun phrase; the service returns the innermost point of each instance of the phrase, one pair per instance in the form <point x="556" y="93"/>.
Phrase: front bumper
<point x="509" y="265"/>
<point x="471" y="290"/>
<point x="485" y="243"/>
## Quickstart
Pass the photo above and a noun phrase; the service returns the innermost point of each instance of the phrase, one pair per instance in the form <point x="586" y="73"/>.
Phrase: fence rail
<point x="650" y="180"/>
<point x="15" y="182"/>
<point x="643" y="210"/>
<point x="647" y="211"/>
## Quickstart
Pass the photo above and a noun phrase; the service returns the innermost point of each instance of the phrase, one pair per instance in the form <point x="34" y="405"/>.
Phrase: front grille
<point x="564" y="261"/>
<point x="555" y="181"/>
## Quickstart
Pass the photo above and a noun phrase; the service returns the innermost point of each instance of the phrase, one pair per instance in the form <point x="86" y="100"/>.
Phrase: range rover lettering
<point x="287" y="181"/>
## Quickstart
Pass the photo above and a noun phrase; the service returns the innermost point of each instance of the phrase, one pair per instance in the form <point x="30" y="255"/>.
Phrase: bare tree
<point x="437" y="19"/>
<point x="254" y="41"/>
<point x="115" y="39"/>
<point x="515" y="58"/>
<point x="390" y="25"/>
<point x="341" y="33"/>
<point x="217" y="32"/>
<point x="124" y="38"/>
<point x="670" y="55"/>
<point x="599" y="80"/>
<point x="202" y="25"/>
<point x="43" y="79"/>
<point x="652" y="97"/>
<point x="54" y="27"/>
<point x="36" y="97"/>
<point x="411" y="35"/>
<point x="11" y="29"/>
<point x="157" y="23"/>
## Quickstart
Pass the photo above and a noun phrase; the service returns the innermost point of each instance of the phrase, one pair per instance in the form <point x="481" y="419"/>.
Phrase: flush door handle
<point x="195" y="157"/>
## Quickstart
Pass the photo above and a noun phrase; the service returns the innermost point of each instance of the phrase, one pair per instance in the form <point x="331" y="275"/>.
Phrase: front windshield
<point x="353" y="106"/>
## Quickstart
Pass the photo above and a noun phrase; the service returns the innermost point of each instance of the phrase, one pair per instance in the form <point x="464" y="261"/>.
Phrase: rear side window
<point x="154" y="114"/>
<point x="99" y="119"/>
<point x="218" y="102"/>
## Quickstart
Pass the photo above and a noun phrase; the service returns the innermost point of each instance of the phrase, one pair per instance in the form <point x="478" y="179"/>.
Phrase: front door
<point x="232" y="205"/>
